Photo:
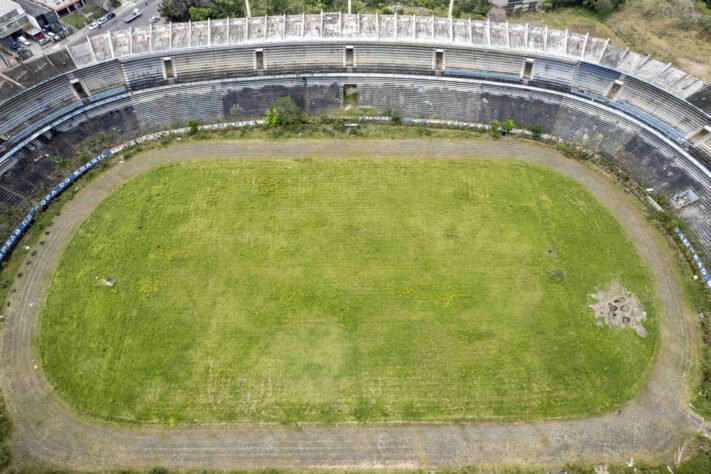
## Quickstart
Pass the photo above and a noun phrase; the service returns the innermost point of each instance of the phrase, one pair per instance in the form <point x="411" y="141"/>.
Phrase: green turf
<point x="341" y="290"/>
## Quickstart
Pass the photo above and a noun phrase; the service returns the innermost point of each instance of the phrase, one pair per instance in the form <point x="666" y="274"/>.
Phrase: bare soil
<point x="619" y="309"/>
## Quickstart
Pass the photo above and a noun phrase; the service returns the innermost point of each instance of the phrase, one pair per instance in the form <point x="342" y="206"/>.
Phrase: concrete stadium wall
<point x="644" y="129"/>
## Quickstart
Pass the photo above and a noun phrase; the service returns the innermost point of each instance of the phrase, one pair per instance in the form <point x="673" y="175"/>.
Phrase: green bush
<point x="394" y="116"/>
<point x="699" y="464"/>
<point x="705" y="21"/>
<point x="508" y="126"/>
<point x="273" y="119"/>
<point x="286" y="113"/>
<point x="494" y="131"/>
<point x="536" y="130"/>
<point x="193" y="125"/>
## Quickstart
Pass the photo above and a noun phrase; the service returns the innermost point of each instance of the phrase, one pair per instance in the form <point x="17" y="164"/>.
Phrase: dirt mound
<point x="619" y="309"/>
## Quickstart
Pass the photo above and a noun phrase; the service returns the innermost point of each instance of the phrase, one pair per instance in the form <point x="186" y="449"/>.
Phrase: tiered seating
<point x="394" y="57"/>
<point x="553" y="74"/>
<point x="593" y="79"/>
<point x="633" y="128"/>
<point x="101" y="77"/>
<point x="206" y="65"/>
<point x="307" y="57"/>
<point x="46" y="98"/>
<point x="672" y="111"/>
<point x="143" y="72"/>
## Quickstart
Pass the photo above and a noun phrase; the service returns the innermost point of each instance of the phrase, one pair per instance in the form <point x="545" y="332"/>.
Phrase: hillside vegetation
<point x="677" y="31"/>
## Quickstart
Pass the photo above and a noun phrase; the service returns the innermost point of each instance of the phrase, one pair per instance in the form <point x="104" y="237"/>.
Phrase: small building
<point x="13" y="22"/>
<point x="45" y="18"/>
<point x="61" y="6"/>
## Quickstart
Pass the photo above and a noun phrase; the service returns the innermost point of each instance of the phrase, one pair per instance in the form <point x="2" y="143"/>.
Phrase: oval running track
<point x="50" y="434"/>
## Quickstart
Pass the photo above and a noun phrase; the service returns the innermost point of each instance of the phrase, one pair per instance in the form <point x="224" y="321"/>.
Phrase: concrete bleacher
<point x="419" y="66"/>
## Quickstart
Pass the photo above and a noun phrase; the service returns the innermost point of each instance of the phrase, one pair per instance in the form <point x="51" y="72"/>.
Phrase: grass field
<point x="349" y="290"/>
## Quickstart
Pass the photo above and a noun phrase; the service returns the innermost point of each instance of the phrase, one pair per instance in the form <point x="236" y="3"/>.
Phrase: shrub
<point x="288" y="112"/>
<point x="508" y="126"/>
<point x="61" y="161"/>
<point x="536" y="130"/>
<point x="193" y="126"/>
<point x="494" y="131"/>
<point x="273" y="119"/>
<point x="394" y="116"/>
<point x="236" y="111"/>
<point x="705" y="21"/>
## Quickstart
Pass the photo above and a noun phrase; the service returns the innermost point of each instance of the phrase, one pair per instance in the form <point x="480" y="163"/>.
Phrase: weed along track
<point x="50" y="432"/>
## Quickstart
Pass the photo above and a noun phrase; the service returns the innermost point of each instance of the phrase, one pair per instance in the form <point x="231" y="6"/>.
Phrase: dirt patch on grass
<point x="619" y="309"/>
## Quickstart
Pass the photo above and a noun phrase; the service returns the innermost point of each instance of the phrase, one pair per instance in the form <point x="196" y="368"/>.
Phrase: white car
<point x="137" y="11"/>
<point x="93" y="25"/>
<point x="155" y="18"/>
<point x="23" y="41"/>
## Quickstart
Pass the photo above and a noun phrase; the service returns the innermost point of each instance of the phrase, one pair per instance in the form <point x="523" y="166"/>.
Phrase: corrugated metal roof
<point x="32" y="8"/>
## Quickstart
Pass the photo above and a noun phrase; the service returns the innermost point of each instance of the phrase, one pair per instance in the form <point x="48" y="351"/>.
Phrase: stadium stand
<point x="646" y="116"/>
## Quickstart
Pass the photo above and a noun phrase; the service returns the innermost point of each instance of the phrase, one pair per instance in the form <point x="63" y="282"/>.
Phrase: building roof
<point x="32" y="8"/>
<point x="7" y="6"/>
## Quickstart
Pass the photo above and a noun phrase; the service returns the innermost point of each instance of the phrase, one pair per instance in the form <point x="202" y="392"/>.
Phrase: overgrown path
<point x="48" y="433"/>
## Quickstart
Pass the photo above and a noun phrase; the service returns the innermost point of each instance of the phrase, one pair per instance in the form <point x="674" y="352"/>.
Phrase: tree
<point x="179" y="10"/>
<point x="276" y="7"/>
<point x="603" y="6"/>
<point x="199" y="14"/>
<point x="227" y="8"/>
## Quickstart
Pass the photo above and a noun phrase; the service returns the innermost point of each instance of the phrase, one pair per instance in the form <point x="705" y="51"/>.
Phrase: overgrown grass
<point x="94" y="11"/>
<point x="75" y="20"/>
<point x="352" y="290"/>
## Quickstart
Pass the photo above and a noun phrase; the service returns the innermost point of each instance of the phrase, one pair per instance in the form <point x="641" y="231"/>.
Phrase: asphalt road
<point x="149" y="8"/>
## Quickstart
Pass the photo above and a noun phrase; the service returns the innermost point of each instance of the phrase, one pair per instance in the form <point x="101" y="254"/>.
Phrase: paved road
<point x="47" y="433"/>
<point x="149" y="8"/>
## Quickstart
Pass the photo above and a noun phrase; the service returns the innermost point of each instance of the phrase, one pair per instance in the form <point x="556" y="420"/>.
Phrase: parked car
<point x="16" y="48"/>
<point x="155" y="18"/>
<point x="23" y="41"/>
<point x="53" y="36"/>
<point x="106" y="18"/>
<point x="42" y="41"/>
<point x="93" y="25"/>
